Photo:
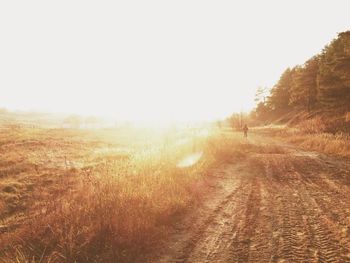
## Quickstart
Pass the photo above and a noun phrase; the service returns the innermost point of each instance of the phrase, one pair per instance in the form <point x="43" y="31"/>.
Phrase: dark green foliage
<point x="261" y="111"/>
<point x="334" y="73"/>
<point x="304" y="88"/>
<point x="322" y="83"/>
<point x="280" y="93"/>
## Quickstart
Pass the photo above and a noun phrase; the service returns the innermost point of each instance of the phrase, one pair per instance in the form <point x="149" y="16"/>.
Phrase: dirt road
<point x="280" y="204"/>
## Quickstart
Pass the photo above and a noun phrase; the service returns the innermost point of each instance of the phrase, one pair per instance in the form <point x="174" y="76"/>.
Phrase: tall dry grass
<point x="335" y="144"/>
<point x="314" y="134"/>
<point x="315" y="125"/>
<point x="121" y="207"/>
<point x="324" y="135"/>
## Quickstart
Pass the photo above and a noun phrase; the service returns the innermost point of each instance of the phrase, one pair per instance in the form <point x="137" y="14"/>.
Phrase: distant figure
<point x="245" y="130"/>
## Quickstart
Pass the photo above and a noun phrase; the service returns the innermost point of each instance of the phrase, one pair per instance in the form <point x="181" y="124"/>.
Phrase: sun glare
<point x="190" y="160"/>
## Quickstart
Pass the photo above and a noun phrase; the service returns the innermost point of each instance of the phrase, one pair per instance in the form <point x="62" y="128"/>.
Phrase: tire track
<point x="282" y="208"/>
<point x="214" y="228"/>
<point x="324" y="245"/>
<point x="213" y="238"/>
<point x="245" y="229"/>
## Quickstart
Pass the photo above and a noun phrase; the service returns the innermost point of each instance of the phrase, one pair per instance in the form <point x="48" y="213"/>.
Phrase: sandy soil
<point x="275" y="206"/>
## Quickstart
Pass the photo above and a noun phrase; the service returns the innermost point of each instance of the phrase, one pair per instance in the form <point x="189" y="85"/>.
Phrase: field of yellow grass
<point x="100" y="195"/>
<point x="310" y="136"/>
<point x="113" y="195"/>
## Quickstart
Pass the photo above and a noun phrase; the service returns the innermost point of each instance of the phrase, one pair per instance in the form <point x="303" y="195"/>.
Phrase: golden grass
<point x="310" y="136"/>
<point x="338" y="144"/>
<point x="119" y="200"/>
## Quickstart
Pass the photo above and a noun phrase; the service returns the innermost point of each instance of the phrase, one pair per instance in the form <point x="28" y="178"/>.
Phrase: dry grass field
<point x="172" y="195"/>
<point x="309" y="136"/>
<point x="98" y="195"/>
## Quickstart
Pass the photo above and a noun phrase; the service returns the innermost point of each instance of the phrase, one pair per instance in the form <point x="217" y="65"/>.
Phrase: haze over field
<point x="155" y="60"/>
<point x="174" y="131"/>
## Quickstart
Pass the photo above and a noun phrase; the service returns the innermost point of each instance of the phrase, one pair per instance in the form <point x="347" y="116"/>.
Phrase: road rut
<point x="275" y="206"/>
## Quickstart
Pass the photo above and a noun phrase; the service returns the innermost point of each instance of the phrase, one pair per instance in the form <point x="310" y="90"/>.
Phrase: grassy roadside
<point x="310" y="139"/>
<point x="116" y="201"/>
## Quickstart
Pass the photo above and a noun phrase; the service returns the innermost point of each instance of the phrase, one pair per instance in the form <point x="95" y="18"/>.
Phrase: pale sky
<point x="155" y="60"/>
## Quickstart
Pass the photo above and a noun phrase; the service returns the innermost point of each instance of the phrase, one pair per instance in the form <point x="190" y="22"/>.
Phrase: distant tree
<point x="322" y="83"/>
<point x="262" y="111"/>
<point x="261" y="94"/>
<point x="304" y="85"/>
<point x="235" y="121"/>
<point x="280" y="93"/>
<point x="334" y="73"/>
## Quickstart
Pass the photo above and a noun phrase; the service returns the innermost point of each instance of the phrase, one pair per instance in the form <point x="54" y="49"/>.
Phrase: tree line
<point x="322" y="83"/>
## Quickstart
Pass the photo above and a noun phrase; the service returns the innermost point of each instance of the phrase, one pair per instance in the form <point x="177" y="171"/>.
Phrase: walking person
<point x="245" y="131"/>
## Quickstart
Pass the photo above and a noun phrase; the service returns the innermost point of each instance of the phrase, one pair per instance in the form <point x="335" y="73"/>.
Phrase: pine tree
<point x="334" y="73"/>
<point x="304" y="85"/>
<point x="280" y="93"/>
